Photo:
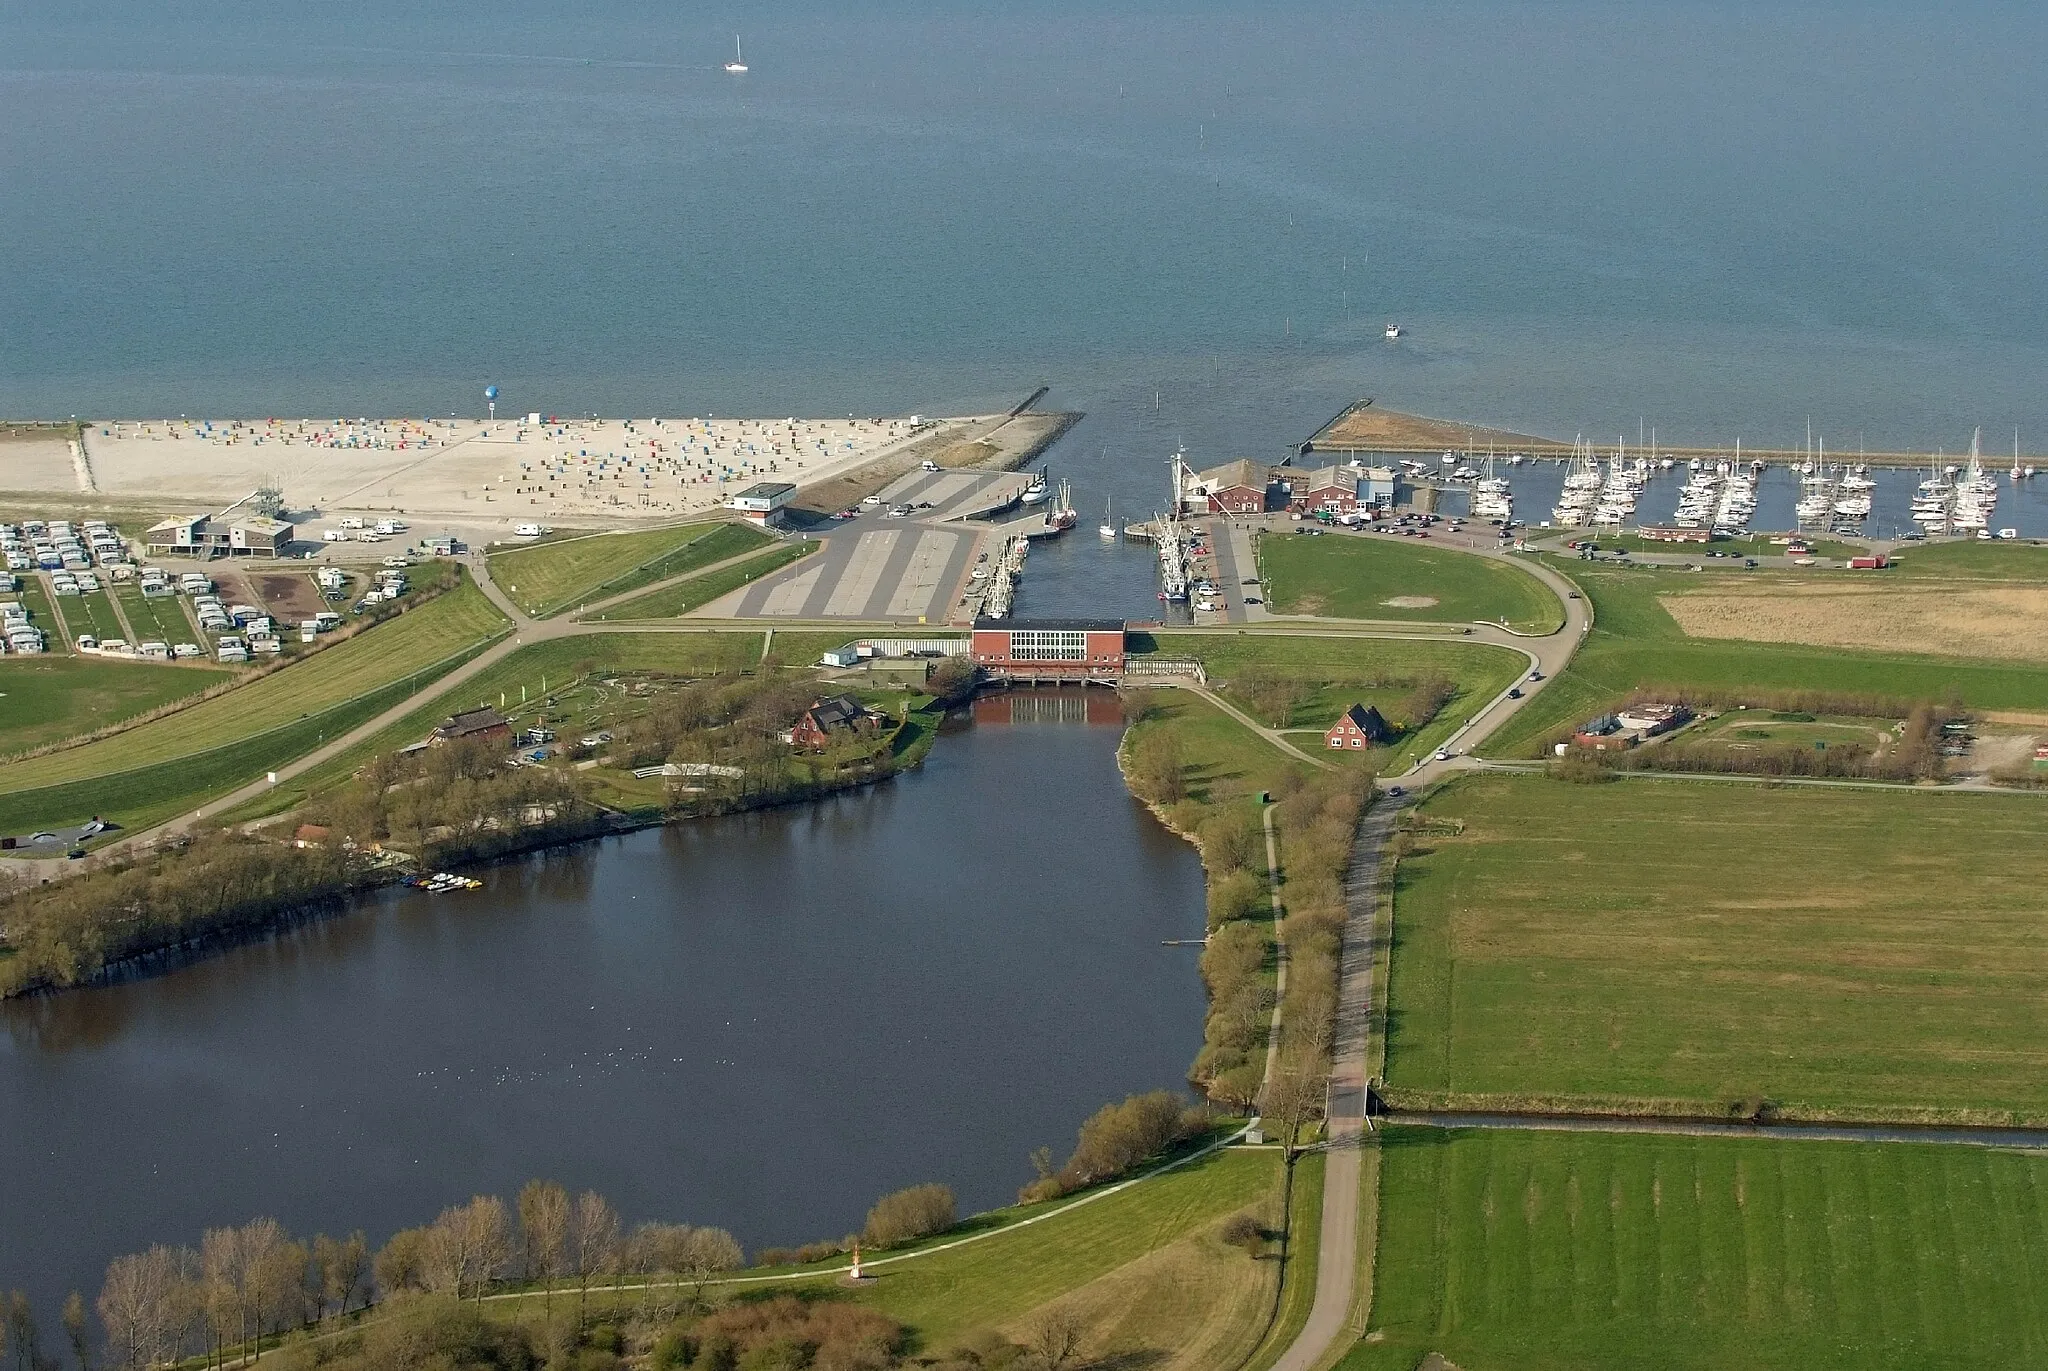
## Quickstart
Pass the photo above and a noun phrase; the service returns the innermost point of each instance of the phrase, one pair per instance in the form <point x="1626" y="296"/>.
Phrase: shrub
<point x="908" y="1214"/>
<point x="1243" y="1229"/>
<point x="1239" y="895"/>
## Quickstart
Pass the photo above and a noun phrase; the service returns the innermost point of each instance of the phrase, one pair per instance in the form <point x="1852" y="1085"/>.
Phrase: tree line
<point x="1316" y="821"/>
<point x="244" y="1285"/>
<point x="443" y="805"/>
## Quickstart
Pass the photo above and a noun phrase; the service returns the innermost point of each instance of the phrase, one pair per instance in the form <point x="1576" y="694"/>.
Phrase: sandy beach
<point x="468" y="472"/>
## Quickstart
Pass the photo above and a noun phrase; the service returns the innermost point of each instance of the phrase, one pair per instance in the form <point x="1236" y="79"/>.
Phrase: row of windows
<point x="1048" y="645"/>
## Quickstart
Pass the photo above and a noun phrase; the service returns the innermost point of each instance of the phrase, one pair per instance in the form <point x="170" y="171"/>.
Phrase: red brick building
<point x="1049" y="649"/>
<point x="1360" y="727"/>
<point x="1327" y="488"/>
<point x="1242" y="487"/>
<point x="831" y="720"/>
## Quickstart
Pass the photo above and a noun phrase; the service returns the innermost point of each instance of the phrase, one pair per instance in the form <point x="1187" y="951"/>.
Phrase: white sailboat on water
<point x="738" y="65"/>
<point x="1107" y="528"/>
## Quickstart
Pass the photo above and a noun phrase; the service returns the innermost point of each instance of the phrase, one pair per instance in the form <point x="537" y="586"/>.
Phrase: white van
<point x="351" y="523"/>
<point x="526" y="531"/>
<point x="391" y="525"/>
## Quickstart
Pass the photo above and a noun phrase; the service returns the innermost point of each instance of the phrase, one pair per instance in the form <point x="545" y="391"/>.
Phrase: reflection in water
<point x="762" y="1021"/>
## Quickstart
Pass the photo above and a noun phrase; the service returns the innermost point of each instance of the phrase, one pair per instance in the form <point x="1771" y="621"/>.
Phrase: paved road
<point x="1329" y="1321"/>
<point x="1337" y="1257"/>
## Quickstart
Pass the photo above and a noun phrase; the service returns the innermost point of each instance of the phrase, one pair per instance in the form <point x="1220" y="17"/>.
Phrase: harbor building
<point x="1049" y="650"/>
<point x="1244" y="487"/>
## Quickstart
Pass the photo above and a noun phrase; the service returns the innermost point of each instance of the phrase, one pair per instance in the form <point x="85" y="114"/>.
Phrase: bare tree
<point x="710" y="1251"/>
<point x="544" y="1232"/>
<point x="341" y="1264"/>
<point x="222" y="1278"/>
<point x="593" y="1243"/>
<point x="1290" y="1099"/>
<point x="148" y="1302"/>
<point x="75" y="1329"/>
<point x="277" y="1278"/>
<point x="467" y="1247"/>
<point x="399" y="1264"/>
<point x="1055" y="1338"/>
<point x="20" y="1340"/>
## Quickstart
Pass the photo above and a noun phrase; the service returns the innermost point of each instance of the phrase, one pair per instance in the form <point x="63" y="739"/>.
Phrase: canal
<point x="761" y="1022"/>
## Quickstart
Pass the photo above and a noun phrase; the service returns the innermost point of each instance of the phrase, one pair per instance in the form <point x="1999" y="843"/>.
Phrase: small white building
<point x="760" y="503"/>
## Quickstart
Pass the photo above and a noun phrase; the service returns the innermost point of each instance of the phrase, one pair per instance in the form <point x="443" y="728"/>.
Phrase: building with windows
<point x="1332" y="490"/>
<point x="830" y="720"/>
<point x="204" y="538"/>
<point x="761" y="502"/>
<point x="1360" y="727"/>
<point x="1244" y="487"/>
<point x="1049" y="649"/>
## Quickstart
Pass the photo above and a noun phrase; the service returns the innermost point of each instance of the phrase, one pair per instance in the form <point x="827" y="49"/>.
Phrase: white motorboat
<point x="1393" y="331"/>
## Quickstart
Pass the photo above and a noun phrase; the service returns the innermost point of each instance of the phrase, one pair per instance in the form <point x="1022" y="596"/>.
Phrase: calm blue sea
<point x="1191" y="221"/>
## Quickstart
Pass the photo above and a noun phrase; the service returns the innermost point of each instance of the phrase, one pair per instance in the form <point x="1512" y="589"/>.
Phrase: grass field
<point x="162" y="618"/>
<point x="699" y="591"/>
<point x="155" y="769"/>
<point x="1636" y="644"/>
<point x="1338" y="672"/>
<point x="551" y="577"/>
<point x="1298" y="1294"/>
<point x="1553" y="1251"/>
<point x="92" y="614"/>
<point x="1224" y="762"/>
<point x="991" y="1283"/>
<point x="1365" y="576"/>
<point x="1994" y="561"/>
<point x="1690" y="944"/>
<point x="48" y="699"/>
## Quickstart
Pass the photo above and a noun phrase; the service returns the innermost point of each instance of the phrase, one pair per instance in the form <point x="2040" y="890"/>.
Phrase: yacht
<point x="1037" y="492"/>
<point x="738" y="65"/>
<point x="1106" y="530"/>
<point x="1393" y="332"/>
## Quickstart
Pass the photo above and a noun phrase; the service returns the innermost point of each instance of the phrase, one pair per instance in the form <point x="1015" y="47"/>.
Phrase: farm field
<point x="273" y="718"/>
<point x="1636" y="644"/>
<point x="700" y="591"/>
<point x="1548" y="1251"/>
<point x="1704" y="947"/>
<point x="548" y="578"/>
<point x="1377" y="576"/>
<point x="51" y="698"/>
<point x="1331" y="674"/>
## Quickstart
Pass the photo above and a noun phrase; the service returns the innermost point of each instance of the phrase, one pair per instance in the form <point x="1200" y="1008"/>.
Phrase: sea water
<point x="1192" y="223"/>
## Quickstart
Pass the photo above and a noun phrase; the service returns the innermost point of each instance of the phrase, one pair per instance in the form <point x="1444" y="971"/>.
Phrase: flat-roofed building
<point x="203" y="538"/>
<point x="760" y="502"/>
<point x="1049" y="649"/>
